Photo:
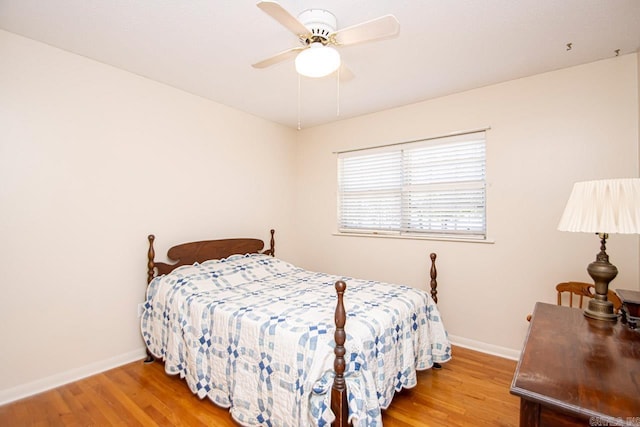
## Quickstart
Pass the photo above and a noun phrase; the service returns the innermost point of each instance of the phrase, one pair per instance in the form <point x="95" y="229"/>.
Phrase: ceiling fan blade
<point x="345" y="74"/>
<point x="383" y="27"/>
<point x="278" y="57"/>
<point x="286" y="19"/>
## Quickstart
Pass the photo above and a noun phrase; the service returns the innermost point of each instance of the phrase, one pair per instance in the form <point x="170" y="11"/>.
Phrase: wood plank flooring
<point x="470" y="390"/>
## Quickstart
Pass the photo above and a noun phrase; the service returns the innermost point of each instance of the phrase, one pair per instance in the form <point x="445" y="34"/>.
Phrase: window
<point x="433" y="187"/>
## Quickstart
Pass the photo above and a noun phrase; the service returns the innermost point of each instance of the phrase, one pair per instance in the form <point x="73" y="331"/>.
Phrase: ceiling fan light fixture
<point x="317" y="61"/>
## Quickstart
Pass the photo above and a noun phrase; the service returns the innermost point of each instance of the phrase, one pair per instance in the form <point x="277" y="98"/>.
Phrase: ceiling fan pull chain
<point x="338" y="94"/>
<point x="298" y="101"/>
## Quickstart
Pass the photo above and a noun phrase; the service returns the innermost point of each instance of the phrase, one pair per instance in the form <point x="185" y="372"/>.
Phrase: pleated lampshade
<point x="604" y="206"/>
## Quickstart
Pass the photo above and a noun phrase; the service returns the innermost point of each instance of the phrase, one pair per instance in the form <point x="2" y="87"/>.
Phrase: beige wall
<point x="92" y="160"/>
<point x="547" y="132"/>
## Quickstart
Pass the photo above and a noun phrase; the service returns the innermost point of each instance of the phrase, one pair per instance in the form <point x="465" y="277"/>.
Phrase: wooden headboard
<point x="189" y="253"/>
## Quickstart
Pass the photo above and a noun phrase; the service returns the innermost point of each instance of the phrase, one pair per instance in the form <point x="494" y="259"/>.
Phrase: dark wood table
<point x="574" y="370"/>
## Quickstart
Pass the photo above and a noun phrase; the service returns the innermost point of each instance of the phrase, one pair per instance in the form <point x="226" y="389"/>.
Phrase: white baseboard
<point x="482" y="347"/>
<point x="44" y="384"/>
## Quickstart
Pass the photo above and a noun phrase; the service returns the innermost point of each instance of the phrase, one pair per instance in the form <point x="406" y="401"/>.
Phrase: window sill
<point x="415" y="237"/>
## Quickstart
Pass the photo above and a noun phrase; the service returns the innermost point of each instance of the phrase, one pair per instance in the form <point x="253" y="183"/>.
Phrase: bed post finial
<point x="272" y="243"/>
<point x="150" y="256"/>
<point x="339" y="404"/>
<point x="434" y="274"/>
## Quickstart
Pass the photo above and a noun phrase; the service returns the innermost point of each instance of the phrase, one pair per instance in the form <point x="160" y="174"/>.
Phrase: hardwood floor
<point x="470" y="390"/>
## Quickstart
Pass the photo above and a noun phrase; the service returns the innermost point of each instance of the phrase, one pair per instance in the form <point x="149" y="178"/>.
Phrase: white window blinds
<point x="429" y="187"/>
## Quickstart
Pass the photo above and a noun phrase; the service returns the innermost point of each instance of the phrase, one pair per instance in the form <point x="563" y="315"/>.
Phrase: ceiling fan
<point x="317" y="32"/>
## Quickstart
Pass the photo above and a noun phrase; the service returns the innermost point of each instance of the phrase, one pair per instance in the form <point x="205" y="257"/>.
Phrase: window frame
<point x="475" y="219"/>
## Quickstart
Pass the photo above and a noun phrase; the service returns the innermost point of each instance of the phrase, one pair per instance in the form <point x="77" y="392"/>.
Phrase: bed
<point x="283" y="346"/>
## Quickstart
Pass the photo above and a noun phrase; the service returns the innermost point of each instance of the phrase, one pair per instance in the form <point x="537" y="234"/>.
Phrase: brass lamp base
<point x="600" y="310"/>
<point x="602" y="272"/>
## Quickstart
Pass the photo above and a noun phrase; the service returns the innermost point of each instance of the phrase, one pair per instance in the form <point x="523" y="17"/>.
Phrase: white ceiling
<point x="445" y="46"/>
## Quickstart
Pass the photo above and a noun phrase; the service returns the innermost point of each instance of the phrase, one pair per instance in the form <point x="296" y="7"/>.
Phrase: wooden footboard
<point x="339" y="404"/>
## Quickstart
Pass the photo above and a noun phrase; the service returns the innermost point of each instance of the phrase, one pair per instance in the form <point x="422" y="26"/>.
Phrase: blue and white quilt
<point x="255" y="334"/>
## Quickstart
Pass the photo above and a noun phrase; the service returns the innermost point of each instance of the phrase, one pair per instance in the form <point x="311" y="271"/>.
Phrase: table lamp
<point x="603" y="207"/>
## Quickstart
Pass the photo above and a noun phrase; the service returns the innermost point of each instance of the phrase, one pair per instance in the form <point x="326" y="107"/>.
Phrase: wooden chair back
<point x="580" y="293"/>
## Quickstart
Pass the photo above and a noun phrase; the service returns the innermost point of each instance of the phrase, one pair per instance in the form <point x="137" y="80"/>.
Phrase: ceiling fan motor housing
<point x="321" y="24"/>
